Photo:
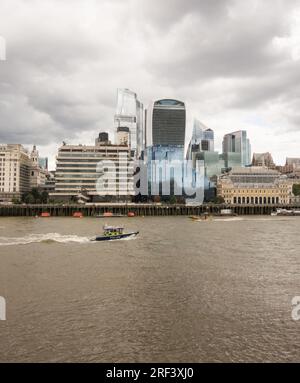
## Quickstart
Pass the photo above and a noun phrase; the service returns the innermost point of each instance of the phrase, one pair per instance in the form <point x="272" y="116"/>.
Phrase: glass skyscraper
<point x="237" y="142"/>
<point x="166" y="122"/>
<point x="129" y="113"/>
<point x="165" y="140"/>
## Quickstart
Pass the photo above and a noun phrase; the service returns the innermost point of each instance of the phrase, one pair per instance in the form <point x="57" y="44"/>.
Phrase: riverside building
<point x="15" y="167"/>
<point x="100" y="173"/>
<point x="255" y="186"/>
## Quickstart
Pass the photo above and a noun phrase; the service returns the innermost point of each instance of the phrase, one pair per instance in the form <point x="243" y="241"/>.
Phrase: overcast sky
<point x="235" y="63"/>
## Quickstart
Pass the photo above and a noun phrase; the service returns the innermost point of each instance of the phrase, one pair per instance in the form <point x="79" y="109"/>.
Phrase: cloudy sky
<point x="235" y="63"/>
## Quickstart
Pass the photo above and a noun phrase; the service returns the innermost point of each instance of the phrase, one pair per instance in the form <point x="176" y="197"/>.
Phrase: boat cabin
<point x="112" y="230"/>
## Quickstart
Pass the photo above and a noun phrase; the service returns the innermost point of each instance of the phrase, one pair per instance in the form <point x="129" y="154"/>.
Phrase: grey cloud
<point x="66" y="59"/>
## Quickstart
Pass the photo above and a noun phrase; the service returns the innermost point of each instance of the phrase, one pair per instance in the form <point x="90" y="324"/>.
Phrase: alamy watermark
<point x="2" y="309"/>
<point x="296" y="308"/>
<point x="164" y="177"/>
<point x="2" y="49"/>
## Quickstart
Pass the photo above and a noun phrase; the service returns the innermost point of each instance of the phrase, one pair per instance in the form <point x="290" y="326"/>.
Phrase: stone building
<point x="255" y="186"/>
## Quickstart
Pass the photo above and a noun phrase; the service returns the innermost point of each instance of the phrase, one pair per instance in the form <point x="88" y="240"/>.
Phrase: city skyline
<point x="60" y="83"/>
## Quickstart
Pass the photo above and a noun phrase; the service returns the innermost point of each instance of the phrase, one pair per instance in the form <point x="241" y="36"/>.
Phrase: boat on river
<point x="113" y="233"/>
<point x="286" y="212"/>
<point x="203" y="217"/>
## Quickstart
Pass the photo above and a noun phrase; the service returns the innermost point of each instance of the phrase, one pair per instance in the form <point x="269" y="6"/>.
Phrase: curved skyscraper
<point x="166" y="121"/>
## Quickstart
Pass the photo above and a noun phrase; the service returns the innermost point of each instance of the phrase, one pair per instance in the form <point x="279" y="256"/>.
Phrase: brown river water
<point x="182" y="291"/>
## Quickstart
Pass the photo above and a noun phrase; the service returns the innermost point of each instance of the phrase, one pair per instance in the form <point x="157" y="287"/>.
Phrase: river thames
<point x="182" y="291"/>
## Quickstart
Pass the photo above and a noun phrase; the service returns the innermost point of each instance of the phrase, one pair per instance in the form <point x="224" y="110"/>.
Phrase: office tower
<point x="208" y="141"/>
<point x="129" y="113"/>
<point x="78" y="171"/>
<point x="166" y="122"/>
<point x="231" y="160"/>
<point x="237" y="142"/>
<point x="202" y="140"/>
<point x="43" y="162"/>
<point x="123" y="135"/>
<point x="15" y="167"/>
<point x="195" y="142"/>
<point x="165" y="127"/>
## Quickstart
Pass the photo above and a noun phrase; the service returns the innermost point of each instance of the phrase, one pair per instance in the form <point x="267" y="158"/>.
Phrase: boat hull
<point x="115" y="237"/>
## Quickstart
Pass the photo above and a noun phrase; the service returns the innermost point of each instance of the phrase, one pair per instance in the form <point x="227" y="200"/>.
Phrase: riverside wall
<point x="138" y="209"/>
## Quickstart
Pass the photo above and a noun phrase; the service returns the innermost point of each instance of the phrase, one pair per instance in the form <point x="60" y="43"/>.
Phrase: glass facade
<point x="157" y="157"/>
<point x="129" y="113"/>
<point x="237" y="142"/>
<point x="168" y="123"/>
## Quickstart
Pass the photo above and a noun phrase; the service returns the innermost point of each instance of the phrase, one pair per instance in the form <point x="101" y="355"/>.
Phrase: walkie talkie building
<point x="166" y="123"/>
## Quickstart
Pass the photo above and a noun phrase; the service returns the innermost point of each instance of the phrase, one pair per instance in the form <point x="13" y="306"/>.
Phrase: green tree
<point x="172" y="200"/>
<point x="29" y="198"/>
<point x="218" y="200"/>
<point x="44" y="197"/>
<point x="296" y="189"/>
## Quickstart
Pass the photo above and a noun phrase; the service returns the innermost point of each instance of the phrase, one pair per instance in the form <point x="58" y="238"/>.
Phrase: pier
<point x="152" y="210"/>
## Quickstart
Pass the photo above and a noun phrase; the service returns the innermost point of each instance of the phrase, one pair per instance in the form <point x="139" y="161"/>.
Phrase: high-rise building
<point x="237" y="142"/>
<point x="15" y="167"/>
<point x="208" y="142"/>
<point x="80" y="168"/>
<point x="166" y="123"/>
<point x="129" y="113"/>
<point x="202" y="139"/>
<point x="165" y="127"/>
<point x="102" y="139"/>
<point x="43" y="162"/>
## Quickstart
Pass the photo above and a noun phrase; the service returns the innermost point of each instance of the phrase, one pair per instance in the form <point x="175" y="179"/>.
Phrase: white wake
<point x="46" y="238"/>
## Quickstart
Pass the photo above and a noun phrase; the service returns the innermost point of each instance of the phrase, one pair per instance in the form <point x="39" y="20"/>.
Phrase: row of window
<point x="256" y="200"/>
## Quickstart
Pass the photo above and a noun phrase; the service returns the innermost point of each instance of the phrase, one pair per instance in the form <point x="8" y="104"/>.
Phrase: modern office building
<point x="166" y="123"/>
<point x="208" y="142"/>
<point x="15" y="167"/>
<point x="231" y="160"/>
<point x="100" y="173"/>
<point x="130" y="113"/>
<point x="43" y="162"/>
<point x="202" y="140"/>
<point x="165" y="139"/>
<point x="255" y="186"/>
<point x="237" y="142"/>
<point x="263" y="159"/>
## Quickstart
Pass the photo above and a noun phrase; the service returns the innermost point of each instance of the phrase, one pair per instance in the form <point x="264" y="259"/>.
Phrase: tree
<point x="296" y="189"/>
<point x="29" y="199"/>
<point x="173" y="200"/>
<point x="44" y="197"/>
<point x="218" y="200"/>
